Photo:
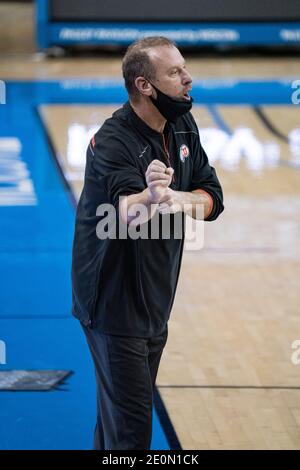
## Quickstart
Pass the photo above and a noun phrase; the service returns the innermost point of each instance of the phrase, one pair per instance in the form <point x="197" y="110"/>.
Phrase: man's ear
<point x="143" y="86"/>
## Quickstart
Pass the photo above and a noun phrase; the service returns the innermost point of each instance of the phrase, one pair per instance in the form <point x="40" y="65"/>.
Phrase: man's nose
<point x="186" y="78"/>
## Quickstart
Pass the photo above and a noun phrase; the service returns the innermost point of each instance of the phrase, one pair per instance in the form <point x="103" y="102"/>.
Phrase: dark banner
<point x="174" y="10"/>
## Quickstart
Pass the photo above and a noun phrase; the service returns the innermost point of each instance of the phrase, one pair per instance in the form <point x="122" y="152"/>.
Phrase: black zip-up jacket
<point x="127" y="286"/>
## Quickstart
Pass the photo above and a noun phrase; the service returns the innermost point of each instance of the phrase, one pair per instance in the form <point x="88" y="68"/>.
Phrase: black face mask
<point x="170" y="108"/>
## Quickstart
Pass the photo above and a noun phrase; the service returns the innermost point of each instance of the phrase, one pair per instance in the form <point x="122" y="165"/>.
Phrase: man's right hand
<point x="158" y="178"/>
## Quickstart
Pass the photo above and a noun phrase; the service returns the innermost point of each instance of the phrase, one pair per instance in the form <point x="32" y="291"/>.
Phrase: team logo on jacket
<point x="183" y="152"/>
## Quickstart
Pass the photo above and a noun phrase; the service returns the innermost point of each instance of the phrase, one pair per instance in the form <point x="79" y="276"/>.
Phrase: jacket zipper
<point x="168" y="156"/>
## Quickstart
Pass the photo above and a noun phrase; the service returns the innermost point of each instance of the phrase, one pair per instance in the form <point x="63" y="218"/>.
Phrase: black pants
<point x="126" y="370"/>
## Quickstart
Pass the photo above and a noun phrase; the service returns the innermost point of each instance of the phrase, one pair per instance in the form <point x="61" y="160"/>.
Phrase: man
<point x="149" y="153"/>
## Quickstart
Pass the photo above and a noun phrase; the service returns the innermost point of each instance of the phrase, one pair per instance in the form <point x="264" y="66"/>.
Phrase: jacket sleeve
<point x="114" y="166"/>
<point x="204" y="177"/>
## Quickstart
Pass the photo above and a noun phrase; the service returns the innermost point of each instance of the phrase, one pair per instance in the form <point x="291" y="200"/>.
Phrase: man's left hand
<point x="171" y="202"/>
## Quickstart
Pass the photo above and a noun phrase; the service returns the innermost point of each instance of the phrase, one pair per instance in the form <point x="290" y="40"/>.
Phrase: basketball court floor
<point x="229" y="377"/>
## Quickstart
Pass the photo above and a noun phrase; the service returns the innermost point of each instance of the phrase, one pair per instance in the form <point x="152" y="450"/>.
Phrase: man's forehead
<point x="166" y="57"/>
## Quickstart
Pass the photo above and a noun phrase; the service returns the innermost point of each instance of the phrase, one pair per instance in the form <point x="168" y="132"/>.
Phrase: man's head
<point x="155" y="61"/>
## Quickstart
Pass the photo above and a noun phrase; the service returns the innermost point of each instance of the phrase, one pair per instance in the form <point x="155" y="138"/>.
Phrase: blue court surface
<point x="36" y="230"/>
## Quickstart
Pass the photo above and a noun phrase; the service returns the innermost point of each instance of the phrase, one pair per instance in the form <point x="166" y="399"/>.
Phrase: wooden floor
<point x="226" y="377"/>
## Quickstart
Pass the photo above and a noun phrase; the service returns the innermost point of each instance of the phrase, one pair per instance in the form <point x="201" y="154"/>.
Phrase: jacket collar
<point x="142" y="125"/>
